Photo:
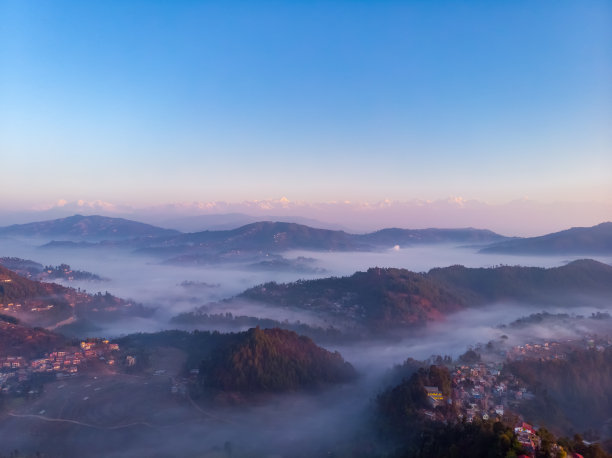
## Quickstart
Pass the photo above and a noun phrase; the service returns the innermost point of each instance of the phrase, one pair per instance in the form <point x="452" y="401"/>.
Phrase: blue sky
<point x="158" y="101"/>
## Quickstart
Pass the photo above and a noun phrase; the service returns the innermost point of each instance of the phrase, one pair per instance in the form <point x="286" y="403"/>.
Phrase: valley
<point x="204" y="352"/>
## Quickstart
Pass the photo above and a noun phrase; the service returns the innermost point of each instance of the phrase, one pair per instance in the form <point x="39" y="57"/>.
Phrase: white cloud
<point x="520" y="217"/>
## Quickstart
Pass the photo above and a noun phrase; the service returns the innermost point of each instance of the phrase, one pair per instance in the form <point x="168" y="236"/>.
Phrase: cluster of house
<point x="557" y="350"/>
<point x="61" y="363"/>
<point x="101" y="349"/>
<point x="480" y="391"/>
<point x="10" y="307"/>
<point x="527" y="437"/>
<point x="58" y="361"/>
<point x="12" y="362"/>
<point x="544" y="351"/>
<point x="34" y="307"/>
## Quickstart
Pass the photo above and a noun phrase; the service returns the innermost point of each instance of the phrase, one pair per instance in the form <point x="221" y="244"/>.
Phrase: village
<point x="17" y="372"/>
<point x="483" y="390"/>
<point x="16" y="308"/>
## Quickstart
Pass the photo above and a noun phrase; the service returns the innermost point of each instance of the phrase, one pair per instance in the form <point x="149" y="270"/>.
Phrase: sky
<point x="150" y="103"/>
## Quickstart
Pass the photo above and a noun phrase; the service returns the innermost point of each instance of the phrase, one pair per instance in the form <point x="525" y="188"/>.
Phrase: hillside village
<point x="35" y="271"/>
<point x="485" y="390"/>
<point x="480" y="389"/>
<point x="18" y="372"/>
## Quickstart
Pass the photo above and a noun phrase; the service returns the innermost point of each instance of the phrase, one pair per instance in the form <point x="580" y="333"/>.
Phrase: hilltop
<point x="272" y="360"/>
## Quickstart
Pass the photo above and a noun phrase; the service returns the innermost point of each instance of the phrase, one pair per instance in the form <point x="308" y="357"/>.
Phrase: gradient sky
<point x="163" y="101"/>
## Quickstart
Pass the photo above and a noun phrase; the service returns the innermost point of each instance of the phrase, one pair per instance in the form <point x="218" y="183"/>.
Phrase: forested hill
<point x="378" y="299"/>
<point x="272" y="360"/>
<point x="395" y="236"/>
<point x="17" y="339"/>
<point x="383" y="299"/>
<point x="596" y="240"/>
<point x="581" y="278"/>
<point x="14" y="287"/>
<point x="46" y="304"/>
<point x="571" y="394"/>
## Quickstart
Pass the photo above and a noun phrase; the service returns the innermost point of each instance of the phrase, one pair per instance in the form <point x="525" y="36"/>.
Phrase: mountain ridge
<point x="381" y="300"/>
<point x="275" y="237"/>
<point x="93" y="227"/>
<point x="576" y="240"/>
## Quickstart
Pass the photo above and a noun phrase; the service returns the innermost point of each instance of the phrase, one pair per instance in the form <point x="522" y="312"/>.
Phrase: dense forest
<point x="380" y="300"/>
<point x="19" y="340"/>
<point x="273" y="360"/>
<point x="572" y="394"/>
<point x="254" y="361"/>
<point x="400" y="405"/>
<point x="564" y="284"/>
<point x="14" y="287"/>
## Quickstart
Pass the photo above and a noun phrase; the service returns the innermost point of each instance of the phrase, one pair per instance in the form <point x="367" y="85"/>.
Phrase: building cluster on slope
<point x="481" y="391"/>
<point x="16" y="369"/>
<point x="35" y="305"/>
<point x="527" y="437"/>
<point x="10" y="307"/>
<point x="557" y="350"/>
<point x="484" y="391"/>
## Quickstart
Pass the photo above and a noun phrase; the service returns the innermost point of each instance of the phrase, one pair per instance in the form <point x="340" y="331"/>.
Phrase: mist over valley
<point x="305" y="229"/>
<point x="293" y="345"/>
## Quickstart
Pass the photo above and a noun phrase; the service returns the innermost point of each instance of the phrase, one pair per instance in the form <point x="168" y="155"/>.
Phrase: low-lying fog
<point x="153" y="283"/>
<point x="468" y="328"/>
<point x="311" y="424"/>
